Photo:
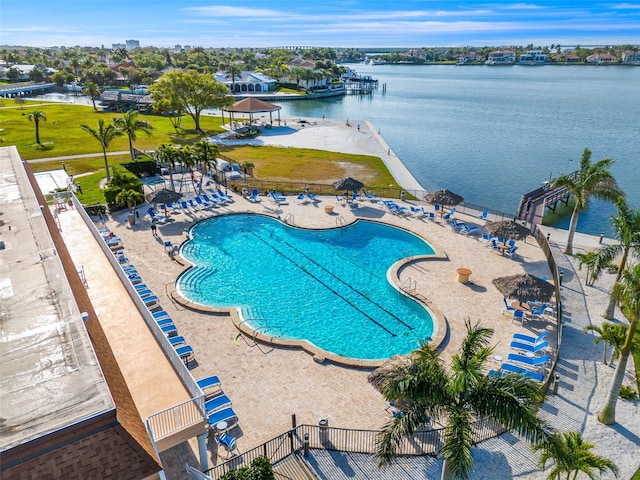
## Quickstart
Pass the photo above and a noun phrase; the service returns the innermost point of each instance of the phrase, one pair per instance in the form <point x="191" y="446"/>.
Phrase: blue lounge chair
<point x="217" y="403"/>
<point x="218" y="199"/>
<point x="417" y="211"/>
<point x="539" y="311"/>
<point x="531" y="362"/>
<point x="177" y="340"/>
<point x="527" y="347"/>
<point x="301" y="198"/>
<point x="163" y="322"/>
<point x="226" y="196"/>
<point x="193" y="205"/>
<point x="510" y="368"/>
<point x="185" y="353"/>
<point x="227" y="441"/>
<point x="160" y="314"/>
<point x="169" y="330"/>
<point x="277" y="198"/>
<point x="507" y="308"/>
<point x="518" y="315"/>
<point x="151" y="300"/>
<point x="370" y="196"/>
<point x="528" y="339"/>
<point x="510" y="252"/>
<point x="173" y="207"/>
<point x="468" y="230"/>
<point x="225" y="415"/>
<point x="209" y="382"/>
<point x="486" y="238"/>
<point x="255" y="195"/>
<point x="211" y="201"/>
<point x="483" y="215"/>
<point x="202" y="203"/>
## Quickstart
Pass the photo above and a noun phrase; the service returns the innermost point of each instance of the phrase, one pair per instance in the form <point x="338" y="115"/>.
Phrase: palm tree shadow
<point x="46" y="146"/>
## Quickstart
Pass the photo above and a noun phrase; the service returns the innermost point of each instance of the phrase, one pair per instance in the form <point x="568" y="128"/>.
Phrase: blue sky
<point x="344" y="23"/>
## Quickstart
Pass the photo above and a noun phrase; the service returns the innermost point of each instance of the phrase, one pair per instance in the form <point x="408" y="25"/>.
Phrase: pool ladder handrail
<point x="340" y="221"/>
<point x="409" y="285"/>
<point x="290" y="219"/>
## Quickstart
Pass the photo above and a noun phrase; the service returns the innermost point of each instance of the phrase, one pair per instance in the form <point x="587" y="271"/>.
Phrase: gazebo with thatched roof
<point x="252" y="105"/>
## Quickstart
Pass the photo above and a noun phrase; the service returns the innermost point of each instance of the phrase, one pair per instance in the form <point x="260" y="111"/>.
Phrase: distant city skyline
<point x="344" y="23"/>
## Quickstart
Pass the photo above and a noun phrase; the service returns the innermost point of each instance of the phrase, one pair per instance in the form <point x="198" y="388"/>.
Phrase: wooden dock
<point x="533" y="204"/>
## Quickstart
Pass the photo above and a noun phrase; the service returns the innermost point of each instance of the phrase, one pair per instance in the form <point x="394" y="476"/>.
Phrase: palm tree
<point x="169" y="156"/>
<point x="593" y="180"/>
<point x="571" y="454"/>
<point x="130" y="125"/>
<point x="627" y="228"/>
<point x="611" y="334"/>
<point x="589" y="259"/>
<point x="103" y="134"/>
<point x="233" y="71"/>
<point x="92" y="90"/>
<point x="205" y="154"/>
<point x="627" y="293"/>
<point x="422" y="388"/>
<point x="36" y="117"/>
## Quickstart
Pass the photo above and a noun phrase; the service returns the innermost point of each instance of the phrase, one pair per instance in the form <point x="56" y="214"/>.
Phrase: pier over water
<point x="533" y="203"/>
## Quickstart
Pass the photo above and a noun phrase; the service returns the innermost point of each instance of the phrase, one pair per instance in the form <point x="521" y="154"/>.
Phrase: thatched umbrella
<point x="348" y="184"/>
<point x="507" y="229"/>
<point x="164" y="196"/>
<point x="443" y="197"/>
<point x="524" y="287"/>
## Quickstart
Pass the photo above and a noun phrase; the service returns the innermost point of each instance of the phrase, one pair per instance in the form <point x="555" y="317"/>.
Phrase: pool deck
<point x="266" y="384"/>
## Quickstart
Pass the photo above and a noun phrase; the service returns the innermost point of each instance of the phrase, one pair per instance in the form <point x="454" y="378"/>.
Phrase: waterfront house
<point x="470" y="57"/>
<point x="601" y="58"/>
<point x="501" y="57"/>
<point x="246" y="82"/>
<point x="533" y="57"/>
<point x="566" y="58"/>
<point x="631" y="57"/>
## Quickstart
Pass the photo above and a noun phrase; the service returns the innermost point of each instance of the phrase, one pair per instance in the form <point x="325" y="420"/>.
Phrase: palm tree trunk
<point x="106" y="164"/>
<point x="604" y="353"/>
<point x="133" y="157"/>
<point x="610" y="312"/>
<point x="572" y="230"/>
<point x="447" y="474"/>
<point x="37" y="132"/>
<point x="608" y="413"/>
<point x="93" y="100"/>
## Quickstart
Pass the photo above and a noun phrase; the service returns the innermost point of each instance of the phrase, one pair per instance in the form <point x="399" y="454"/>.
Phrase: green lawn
<point x="61" y="134"/>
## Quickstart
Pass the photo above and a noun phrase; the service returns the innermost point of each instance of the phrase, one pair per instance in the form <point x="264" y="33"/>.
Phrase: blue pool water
<point x="326" y="286"/>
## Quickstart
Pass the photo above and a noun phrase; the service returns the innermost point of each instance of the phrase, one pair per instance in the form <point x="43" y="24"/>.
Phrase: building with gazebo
<point x="251" y="106"/>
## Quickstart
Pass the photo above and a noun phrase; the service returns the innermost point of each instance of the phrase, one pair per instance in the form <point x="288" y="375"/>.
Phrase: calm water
<point x="329" y="286"/>
<point x="493" y="133"/>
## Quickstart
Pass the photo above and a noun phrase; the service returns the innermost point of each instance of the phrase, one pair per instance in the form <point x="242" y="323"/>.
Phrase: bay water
<point x="494" y="133"/>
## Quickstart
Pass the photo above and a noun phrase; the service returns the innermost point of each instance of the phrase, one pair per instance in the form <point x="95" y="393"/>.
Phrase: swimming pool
<point x="328" y="287"/>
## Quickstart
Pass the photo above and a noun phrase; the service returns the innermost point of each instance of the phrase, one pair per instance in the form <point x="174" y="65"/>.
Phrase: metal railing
<point x="176" y="418"/>
<point x="320" y="437"/>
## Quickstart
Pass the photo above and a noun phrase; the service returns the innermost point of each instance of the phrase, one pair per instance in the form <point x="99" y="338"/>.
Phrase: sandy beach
<point x="355" y="137"/>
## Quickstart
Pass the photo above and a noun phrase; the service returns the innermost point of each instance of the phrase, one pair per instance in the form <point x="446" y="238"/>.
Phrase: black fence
<point x="322" y="437"/>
